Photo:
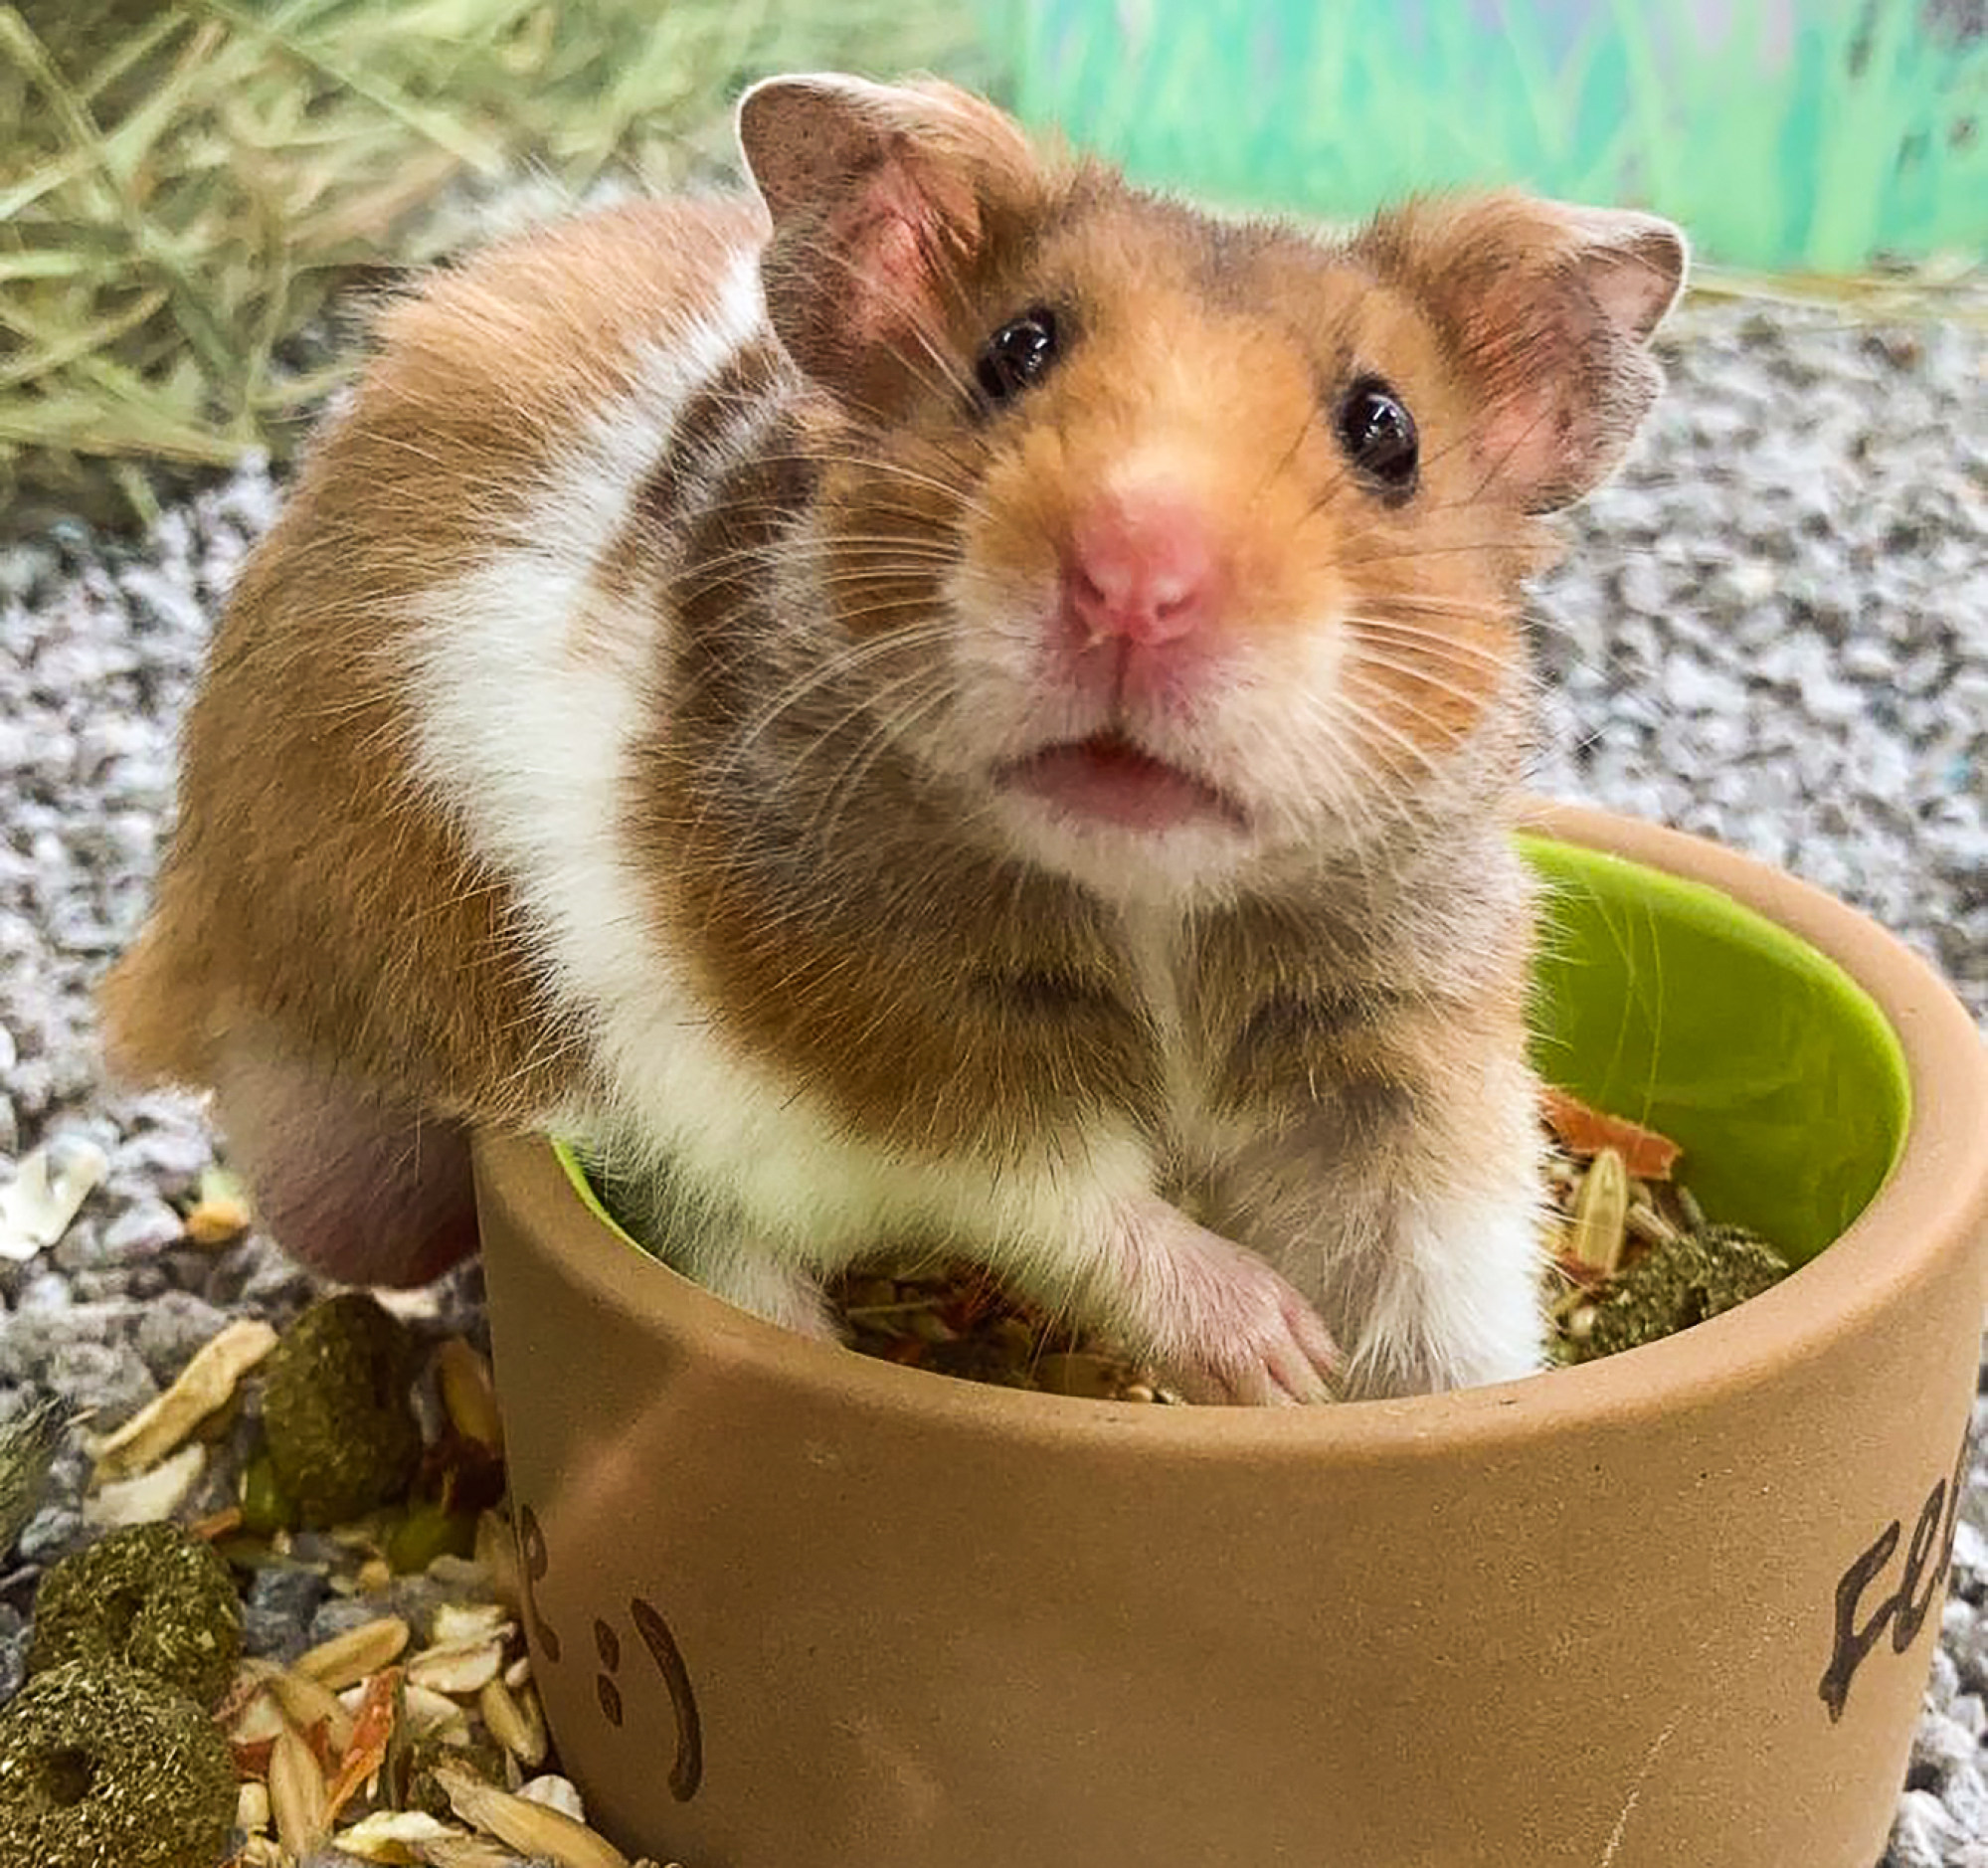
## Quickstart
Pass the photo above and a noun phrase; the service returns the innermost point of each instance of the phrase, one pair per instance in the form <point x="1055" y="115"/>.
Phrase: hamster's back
<point x="312" y="883"/>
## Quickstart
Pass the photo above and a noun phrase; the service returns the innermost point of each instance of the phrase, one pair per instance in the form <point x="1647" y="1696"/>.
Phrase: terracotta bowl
<point x="793" y="1608"/>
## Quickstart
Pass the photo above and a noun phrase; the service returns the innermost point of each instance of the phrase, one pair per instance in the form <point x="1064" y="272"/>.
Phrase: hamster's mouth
<point x="1105" y="779"/>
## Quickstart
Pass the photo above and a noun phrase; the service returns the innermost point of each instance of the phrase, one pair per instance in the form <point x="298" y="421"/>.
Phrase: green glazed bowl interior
<point x="1669" y="1003"/>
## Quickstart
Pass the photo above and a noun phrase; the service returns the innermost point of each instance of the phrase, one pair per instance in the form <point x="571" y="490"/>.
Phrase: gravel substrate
<point x="1773" y="629"/>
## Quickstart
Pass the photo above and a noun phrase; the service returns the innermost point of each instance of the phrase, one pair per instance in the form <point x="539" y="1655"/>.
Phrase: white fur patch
<point x="1458" y="1301"/>
<point x="1456" y="1295"/>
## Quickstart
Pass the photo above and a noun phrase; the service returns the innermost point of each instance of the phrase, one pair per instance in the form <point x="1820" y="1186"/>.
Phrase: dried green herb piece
<point x="429" y="1531"/>
<point x="1670" y="1287"/>
<point x="266" y="1507"/>
<point x="26" y="1452"/>
<point x="337" y="1414"/>
<point x="102" y="1764"/>
<point x="150" y="1597"/>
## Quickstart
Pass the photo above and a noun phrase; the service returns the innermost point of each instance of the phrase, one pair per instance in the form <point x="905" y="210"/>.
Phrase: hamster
<point x="946" y="698"/>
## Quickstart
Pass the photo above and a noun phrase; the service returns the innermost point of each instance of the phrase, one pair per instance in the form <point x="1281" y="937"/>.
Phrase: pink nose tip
<point x="1142" y="569"/>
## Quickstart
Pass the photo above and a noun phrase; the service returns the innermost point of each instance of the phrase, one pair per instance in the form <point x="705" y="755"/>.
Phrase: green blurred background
<point x="1809" y="134"/>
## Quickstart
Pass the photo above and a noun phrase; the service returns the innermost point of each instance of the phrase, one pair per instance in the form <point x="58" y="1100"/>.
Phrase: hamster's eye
<point x="1379" y="436"/>
<point x="1017" y="354"/>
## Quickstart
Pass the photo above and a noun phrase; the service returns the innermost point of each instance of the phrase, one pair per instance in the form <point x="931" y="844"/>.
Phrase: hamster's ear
<point x="881" y="197"/>
<point x="1548" y="309"/>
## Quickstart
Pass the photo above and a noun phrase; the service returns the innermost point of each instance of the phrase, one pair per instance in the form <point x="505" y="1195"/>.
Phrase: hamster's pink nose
<point x="1139" y="568"/>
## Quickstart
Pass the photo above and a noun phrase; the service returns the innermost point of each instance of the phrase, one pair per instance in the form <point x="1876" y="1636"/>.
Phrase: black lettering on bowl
<point x="1904" y="1612"/>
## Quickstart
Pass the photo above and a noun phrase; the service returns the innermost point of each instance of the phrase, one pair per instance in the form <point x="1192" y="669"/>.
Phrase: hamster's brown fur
<point x="818" y="614"/>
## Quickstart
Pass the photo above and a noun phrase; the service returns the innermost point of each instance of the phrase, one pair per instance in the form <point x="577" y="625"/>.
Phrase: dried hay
<point x="187" y="188"/>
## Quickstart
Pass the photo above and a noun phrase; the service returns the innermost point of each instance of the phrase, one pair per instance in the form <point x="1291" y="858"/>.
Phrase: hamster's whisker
<point x="896" y="470"/>
<point x="706" y="574"/>
<point x="1495" y="471"/>
<point x="1450" y="648"/>
<point x="887" y="731"/>
<point x="1367" y="719"/>
<point x="886" y="572"/>
<point x="1367" y="814"/>
<point x="1343" y="474"/>
<point x="826" y="455"/>
<point x="901" y="634"/>
<point x="836" y="668"/>
<point x="1367" y="659"/>
<point x="843" y="662"/>
<point x="1436" y="456"/>
<point x="1406" y="740"/>
<point x="1283" y="461"/>
<point x="1328" y="712"/>
<point x="923" y="517"/>
<point x="1431" y="603"/>
<point x="793" y="544"/>
<point x="1409" y="552"/>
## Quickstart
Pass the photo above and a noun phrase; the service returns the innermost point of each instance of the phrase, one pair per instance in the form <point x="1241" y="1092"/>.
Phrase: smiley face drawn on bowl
<point x="653" y="1640"/>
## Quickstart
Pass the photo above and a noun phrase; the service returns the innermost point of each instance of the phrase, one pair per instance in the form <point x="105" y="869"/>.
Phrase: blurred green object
<point x="1787" y="134"/>
<point x="1669" y="1003"/>
<point x="184" y="188"/>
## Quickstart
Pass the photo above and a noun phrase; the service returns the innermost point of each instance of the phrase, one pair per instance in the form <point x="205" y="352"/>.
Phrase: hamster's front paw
<point x="1222" y="1325"/>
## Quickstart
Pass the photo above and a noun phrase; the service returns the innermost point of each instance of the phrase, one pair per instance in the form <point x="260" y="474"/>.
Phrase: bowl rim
<point x="1933" y="1203"/>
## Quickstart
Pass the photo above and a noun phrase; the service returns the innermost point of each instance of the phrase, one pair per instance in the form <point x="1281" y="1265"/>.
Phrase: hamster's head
<point x="1183" y="549"/>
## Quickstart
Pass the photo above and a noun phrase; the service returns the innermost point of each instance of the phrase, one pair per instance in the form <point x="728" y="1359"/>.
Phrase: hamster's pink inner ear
<point x="1634" y="263"/>
<point x="879" y="195"/>
<point x="1548" y="309"/>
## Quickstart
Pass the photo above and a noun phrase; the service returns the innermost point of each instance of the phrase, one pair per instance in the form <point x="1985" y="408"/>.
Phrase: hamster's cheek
<point x="994" y="641"/>
<point x="1276" y="729"/>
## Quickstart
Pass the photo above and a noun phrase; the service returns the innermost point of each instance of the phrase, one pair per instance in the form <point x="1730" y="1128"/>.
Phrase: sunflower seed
<point x="434" y="1715"/>
<point x="468" y="1395"/>
<point x="150" y="1496"/>
<point x="205" y="1385"/>
<point x="346" y="1659"/>
<point x="458" y="1671"/>
<point x="555" y="1792"/>
<point x="526" y="1826"/>
<point x="461" y="1624"/>
<point x="389" y="1835"/>
<point x="297" y="1794"/>
<point x="306" y="1702"/>
<point x="1601" y="1212"/>
<point x="515" y="1721"/>
<point x="48" y="1189"/>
